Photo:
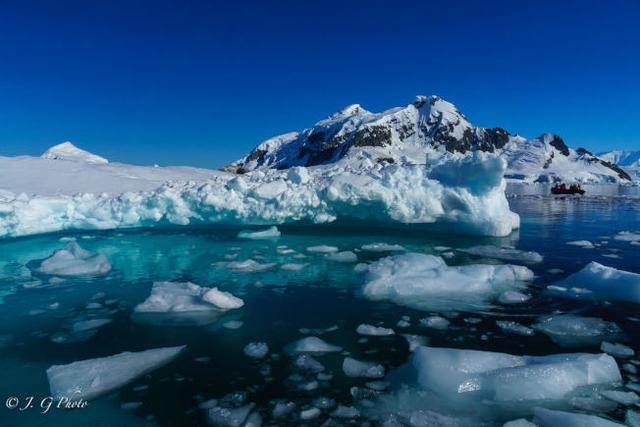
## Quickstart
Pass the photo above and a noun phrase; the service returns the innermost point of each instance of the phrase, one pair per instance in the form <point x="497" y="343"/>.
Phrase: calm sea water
<point x="280" y="307"/>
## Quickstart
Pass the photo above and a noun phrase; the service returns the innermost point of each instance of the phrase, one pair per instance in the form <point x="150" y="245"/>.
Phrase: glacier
<point x="464" y="195"/>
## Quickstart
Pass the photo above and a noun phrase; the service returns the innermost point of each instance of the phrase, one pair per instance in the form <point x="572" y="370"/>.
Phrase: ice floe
<point x="582" y="244"/>
<point x="72" y="260"/>
<point x="311" y="345"/>
<point x="323" y="249"/>
<point x="627" y="236"/>
<point x="362" y="369"/>
<point x="344" y="256"/>
<point x="371" y="330"/>
<point x="88" y="379"/>
<point x="501" y="377"/>
<point x="569" y="330"/>
<point x="513" y="297"/>
<point x="426" y="282"/>
<point x="256" y="350"/>
<point x="512" y="327"/>
<point x="601" y="282"/>
<point x="617" y="350"/>
<point x="177" y="297"/>
<point x="249" y="266"/>
<point x="382" y="247"/>
<point x="269" y="233"/>
<point x="506" y="254"/>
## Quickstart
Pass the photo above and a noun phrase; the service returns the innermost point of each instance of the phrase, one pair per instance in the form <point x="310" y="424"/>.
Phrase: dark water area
<point x="281" y="306"/>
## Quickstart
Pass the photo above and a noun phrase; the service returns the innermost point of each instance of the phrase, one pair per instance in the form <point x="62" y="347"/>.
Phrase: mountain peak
<point x="68" y="151"/>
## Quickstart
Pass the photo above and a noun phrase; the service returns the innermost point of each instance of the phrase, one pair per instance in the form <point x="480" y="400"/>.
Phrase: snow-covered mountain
<point x="68" y="151"/>
<point x="427" y="131"/>
<point x="627" y="160"/>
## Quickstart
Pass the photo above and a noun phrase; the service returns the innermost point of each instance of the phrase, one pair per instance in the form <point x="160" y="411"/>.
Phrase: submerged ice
<point x="72" y="260"/>
<point x="426" y="282"/>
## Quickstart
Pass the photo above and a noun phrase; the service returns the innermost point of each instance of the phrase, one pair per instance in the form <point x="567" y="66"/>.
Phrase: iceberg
<point x="72" y="260"/>
<point x="311" y="345"/>
<point x="465" y="195"/>
<point x="425" y="282"/>
<point x="91" y="378"/>
<point x="602" y="282"/>
<point x="502" y="377"/>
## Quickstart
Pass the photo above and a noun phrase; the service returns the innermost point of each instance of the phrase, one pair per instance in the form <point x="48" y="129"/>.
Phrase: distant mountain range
<point x="427" y="131"/>
<point x="627" y="160"/>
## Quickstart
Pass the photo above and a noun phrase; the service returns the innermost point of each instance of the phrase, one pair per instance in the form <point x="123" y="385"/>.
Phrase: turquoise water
<point x="280" y="307"/>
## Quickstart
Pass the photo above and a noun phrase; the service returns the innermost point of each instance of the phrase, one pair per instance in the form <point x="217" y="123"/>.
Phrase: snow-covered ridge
<point x="627" y="160"/>
<point x="68" y="151"/>
<point x="426" y="131"/>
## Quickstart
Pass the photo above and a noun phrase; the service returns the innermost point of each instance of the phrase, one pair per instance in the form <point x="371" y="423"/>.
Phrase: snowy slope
<point x="627" y="160"/>
<point x="40" y="195"/>
<point x="426" y="131"/>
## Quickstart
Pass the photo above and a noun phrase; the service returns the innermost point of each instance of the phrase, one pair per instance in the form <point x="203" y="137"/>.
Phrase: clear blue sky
<point x="202" y="82"/>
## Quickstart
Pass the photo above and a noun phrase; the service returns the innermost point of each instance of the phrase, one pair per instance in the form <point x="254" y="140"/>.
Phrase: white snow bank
<point x="569" y="330"/>
<point x="72" y="260"/>
<point x="426" y="282"/>
<point x="184" y="297"/>
<point x="502" y="377"/>
<point x="602" y="282"/>
<point x="507" y="254"/>
<point x="88" y="379"/>
<point x="269" y="233"/>
<point x="463" y="195"/>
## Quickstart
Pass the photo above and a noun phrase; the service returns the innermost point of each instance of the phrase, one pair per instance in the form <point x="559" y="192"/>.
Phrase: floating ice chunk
<point x="555" y="271"/>
<point x="256" y="350"/>
<point x="632" y="418"/>
<point x="309" y="414"/>
<point x="382" y="247"/>
<point x="513" y="297"/>
<point x="323" y="249"/>
<point x="222" y="300"/>
<point x="506" y="254"/>
<point x="179" y="297"/>
<point x="229" y="417"/>
<point x="88" y="379"/>
<point x="514" y="328"/>
<point x="269" y="233"/>
<point x="72" y="260"/>
<point x="582" y="244"/>
<point x="254" y="420"/>
<point x="605" y="283"/>
<point x="249" y="266"/>
<point x="617" y="350"/>
<point x="293" y="266"/>
<point x="569" y="330"/>
<point x="371" y="330"/>
<point x="345" y="412"/>
<point x="435" y="322"/>
<point x="360" y="369"/>
<point x="344" y="256"/>
<point x="426" y="282"/>
<point x="311" y="345"/>
<point x="626" y="398"/>
<point x="627" y="236"/>
<point x="503" y="377"/>
<point x="306" y="363"/>
<point x="232" y="324"/>
<point x="283" y="408"/>
<point x="550" y="418"/>
<point x="87" y="325"/>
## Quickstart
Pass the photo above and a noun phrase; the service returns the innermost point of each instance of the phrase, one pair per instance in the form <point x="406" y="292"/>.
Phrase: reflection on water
<point x="37" y="313"/>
